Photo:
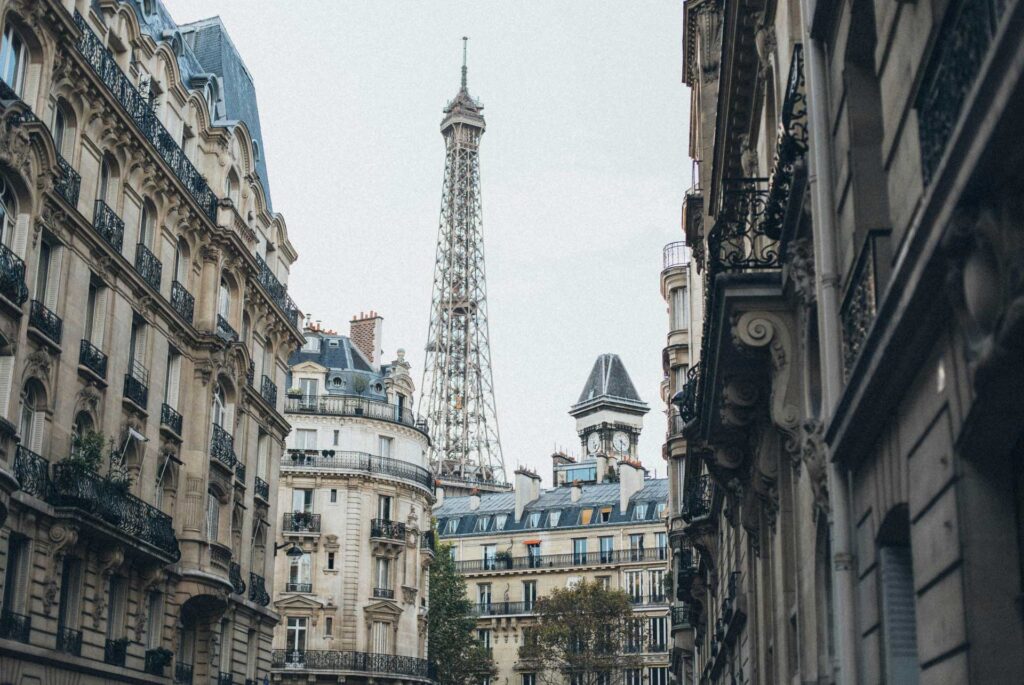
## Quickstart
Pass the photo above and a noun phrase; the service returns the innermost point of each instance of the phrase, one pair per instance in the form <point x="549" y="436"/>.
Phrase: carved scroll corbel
<point x="108" y="562"/>
<point x="62" y="538"/>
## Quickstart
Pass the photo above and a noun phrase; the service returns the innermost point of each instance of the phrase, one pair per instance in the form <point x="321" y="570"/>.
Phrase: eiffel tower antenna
<point x="458" y="385"/>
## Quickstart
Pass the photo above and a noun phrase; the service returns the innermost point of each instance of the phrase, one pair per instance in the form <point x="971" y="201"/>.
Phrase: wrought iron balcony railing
<point x="222" y="447"/>
<point x="250" y="375"/>
<point x="697" y="498"/>
<point x="682" y="615"/>
<point x="427" y="540"/>
<point x="115" y="651"/>
<point x="388" y="529"/>
<point x="545" y="561"/>
<point x="687" y="399"/>
<point x="262" y="489"/>
<point x="157" y="660"/>
<point x="860" y="301"/>
<point x="298" y="587"/>
<point x="278" y="291"/>
<point x="12" y="276"/>
<point x="268" y="390"/>
<point x="68" y="182"/>
<point x="347" y="405"/>
<point x="109" y="503"/>
<point x="69" y="641"/>
<point x="240" y="472"/>
<point x="224" y="678"/>
<point x="383" y="593"/>
<point x="235" y="576"/>
<point x="301" y="522"/>
<point x="224" y="330"/>
<point x="170" y="418"/>
<point x="502" y="608"/>
<point x="362" y="662"/>
<point x="108" y="224"/>
<point x="45" y="321"/>
<point x="182" y="674"/>
<point x="790" y="146"/>
<point x="358" y="461"/>
<point x="136" y="386"/>
<point x="139" y="111"/>
<point x="92" y="358"/>
<point x="258" y="590"/>
<point x="738" y="241"/>
<point x="32" y="472"/>
<point x="675" y="254"/>
<point x="15" y="626"/>
<point x="148" y="266"/>
<point x="182" y="301"/>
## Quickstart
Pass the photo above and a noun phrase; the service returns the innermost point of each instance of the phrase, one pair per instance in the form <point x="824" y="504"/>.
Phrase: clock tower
<point x="609" y="413"/>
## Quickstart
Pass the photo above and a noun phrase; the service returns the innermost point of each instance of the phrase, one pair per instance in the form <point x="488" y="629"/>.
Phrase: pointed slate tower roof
<point x="609" y="385"/>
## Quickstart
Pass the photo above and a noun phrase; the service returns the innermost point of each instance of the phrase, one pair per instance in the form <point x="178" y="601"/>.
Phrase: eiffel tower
<point x="458" y="386"/>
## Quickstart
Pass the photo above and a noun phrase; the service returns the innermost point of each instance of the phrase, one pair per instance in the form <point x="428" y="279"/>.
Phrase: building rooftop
<point x="609" y="382"/>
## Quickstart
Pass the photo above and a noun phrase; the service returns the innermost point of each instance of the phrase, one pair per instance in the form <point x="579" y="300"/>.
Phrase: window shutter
<point x="38" y="425"/>
<point x="53" y="279"/>
<point x="899" y="626"/>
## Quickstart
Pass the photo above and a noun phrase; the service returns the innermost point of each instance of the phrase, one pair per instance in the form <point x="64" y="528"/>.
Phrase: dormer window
<point x="451" y="526"/>
<point x="499" y="521"/>
<point x="312" y="344"/>
<point x="533" y="519"/>
<point x="553" y="518"/>
<point x="640" y="511"/>
<point x="482" y="523"/>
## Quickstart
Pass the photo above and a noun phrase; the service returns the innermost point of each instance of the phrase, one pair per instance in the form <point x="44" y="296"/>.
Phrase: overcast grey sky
<point x="584" y="165"/>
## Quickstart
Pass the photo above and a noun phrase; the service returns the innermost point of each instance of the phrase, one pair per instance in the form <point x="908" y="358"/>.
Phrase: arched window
<point x="8" y="211"/>
<point x="146" y="223"/>
<point x="231" y="186"/>
<point x="33" y="415"/>
<point x="220" y="406"/>
<point x="13" y="60"/>
<point x="105" y="173"/>
<point x="224" y="299"/>
<point x="81" y="427"/>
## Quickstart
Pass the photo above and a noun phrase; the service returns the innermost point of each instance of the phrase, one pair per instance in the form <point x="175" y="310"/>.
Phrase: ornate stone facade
<point x="142" y="303"/>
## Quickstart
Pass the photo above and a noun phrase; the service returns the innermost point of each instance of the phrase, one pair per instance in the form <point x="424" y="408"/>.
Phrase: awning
<point x="531" y="542"/>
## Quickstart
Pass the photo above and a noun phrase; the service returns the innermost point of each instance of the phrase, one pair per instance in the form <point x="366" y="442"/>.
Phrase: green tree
<point x="451" y="645"/>
<point x="585" y="635"/>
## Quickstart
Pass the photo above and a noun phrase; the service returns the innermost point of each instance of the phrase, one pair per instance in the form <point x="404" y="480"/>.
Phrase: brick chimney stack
<point x="366" y="332"/>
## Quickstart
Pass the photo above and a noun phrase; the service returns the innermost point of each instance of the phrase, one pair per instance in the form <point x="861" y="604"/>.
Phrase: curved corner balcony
<point x="675" y="254"/>
<point x="359" y="462"/>
<point x="347" y="405"/>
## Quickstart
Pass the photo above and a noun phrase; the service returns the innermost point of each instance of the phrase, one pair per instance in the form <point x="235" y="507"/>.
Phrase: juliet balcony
<point x="136" y="384"/>
<point x="348" y="405"/>
<point x="148" y="266"/>
<point x="182" y="301"/>
<point x="45" y="323"/>
<point x="108" y="225"/>
<point x="301" y="523"/>
<point x="222" y="448"/>
<point x="92" y="361"/>
<point x="12" y="277"/>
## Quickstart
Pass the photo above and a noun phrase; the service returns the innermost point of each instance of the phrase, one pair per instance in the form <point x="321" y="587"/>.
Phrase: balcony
<point x="137" y="108"/>
<point x="686" y="399"/>
<point x="258" y="590"/>
<point x="46" y="322"/>
<point x="69" y="641"/>
<point x="224" y="678"/>
<point x="222" y="448"/>
<point x="92" y="359"/>
<point x="15" y="626"/>
<point x="269" y="391"/>
<point x="157" y="660"/>
<point x="360" y="662"/>
<point x="387" y="529"/>
<point x="68" y="183"/>
<point x="115" y="651"/>
<point x="427" y="541"/>
<point x="32" y="472"/>
<point x="262" y="489"/>
<point x="182" y="674"/>
<point x="347" y="405"/>
<point x="675" y="255"/>
<point x="278" y="291"/>
<point x="113" y="511"/>
<point x="12" y="276"/>
<point x="108" y="224"/>
<point x="383" y="593"/>
<point x="301" y="522"/>
<point x="148" y="266"/>
<point x="224" y="331"/>
<point x="697" y="499"/>
<point x="240" y="473"/>
<point x="331" y="460"/>
<point x="298" y="587"/>
<point x="250" y="375"/>
<point x="569" y="560"/>
<point x="220" y="557"/>
<point x="682" y="616"/>
<point x="182" y="301"/>
<point x="235" y="576"/>
<point x="136" y="384"/>
<point x="170" y="419"/>
<point x="502" y="608"/>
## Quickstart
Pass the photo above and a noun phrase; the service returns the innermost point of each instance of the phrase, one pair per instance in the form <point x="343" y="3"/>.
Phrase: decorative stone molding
<point x="108" y="561"/>
<point x="800" y="261"/>
<point x="62" y="537"/>
<point x="813" y="455"/>
<point x="709" y="39"/>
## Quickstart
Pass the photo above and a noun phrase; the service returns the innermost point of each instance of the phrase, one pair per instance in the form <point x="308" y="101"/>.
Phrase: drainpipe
<point x="830" y="346"/>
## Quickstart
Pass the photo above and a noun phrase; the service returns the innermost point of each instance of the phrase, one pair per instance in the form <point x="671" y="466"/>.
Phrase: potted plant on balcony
<point x="157" y="659"/>
<point x="359" y="384"/>
<point x="503" y="558"/>
<point x="294" y="391"/>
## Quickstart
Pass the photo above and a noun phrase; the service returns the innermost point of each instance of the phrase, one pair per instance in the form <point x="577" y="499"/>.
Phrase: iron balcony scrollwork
<point x="222" y="447"/>
<point x="790" y="147"/>
<point x="182" y="301"/>
<point x="92" y="358"/>
<point x="141" y="113"/>
<point x="182" y="674"/>
<point x="383" y="593"/>
<point x="69" y="640"/>
<point x="15" y="626"/>
<point x="364" y="662"/>
<point x="349" y="405"/>
<point x="278" y="291"/>
<point x="68" y="182"/>
<point x="301" y="522"/>
<point x="686" y="400"/>
<point x="262" y="489"/>
<point x="258" y="590"/>
<point x="170" y="418"/>
<point x="250" y="374"/>
<point x="358" y="461"/>
<point x="148" y="266"/>
<point x="32" y="472"/>
<point x="224" y="331"/>
<point x="115" y="651"/>
<point x="235" y="576"/>
<point x="268" y="390"/>
<point x="136" y="384"/>
<point x="45" y="321"/>
<point x="697" y="499"/>
<point x="298" y="587"/>
<point x="385" y="528"/>
<point x="738" y="241"/>
<point x="108" y="224"/>
<point x="240" y="472"/>
<point x="427" y="541"/>
<point x="157" y="660"/>
<point x="860" y="302"/>
<point x="681" y="615"/>
<point x="224" y="678"/>
<point x="12" y="276"/>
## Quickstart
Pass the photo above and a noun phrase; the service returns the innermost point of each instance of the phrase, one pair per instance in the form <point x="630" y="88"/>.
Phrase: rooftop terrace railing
<point x="543" y="561"/>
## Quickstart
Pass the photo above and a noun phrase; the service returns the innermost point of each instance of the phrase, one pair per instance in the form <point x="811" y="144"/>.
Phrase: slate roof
<point x="341" y="357"/>
<point x="597" y="496"/>
<point x="609" y="383"/>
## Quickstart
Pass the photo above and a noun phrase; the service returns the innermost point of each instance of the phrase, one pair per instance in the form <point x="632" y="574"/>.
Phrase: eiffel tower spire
<point x="458" y="386"/>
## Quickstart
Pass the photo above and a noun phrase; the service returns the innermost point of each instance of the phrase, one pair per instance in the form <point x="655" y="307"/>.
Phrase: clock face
<point x="594" y="442"/>
<point x="620" y="441"/>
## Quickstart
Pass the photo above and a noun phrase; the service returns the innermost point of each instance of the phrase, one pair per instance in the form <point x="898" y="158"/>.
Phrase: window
<point x="658" y="675"/>
<point x="658" y="634"/>
<point x="136" y="350"/>
<point x="661" y="545"/>
<point x="680" y="309"/>
<point x="533" y="554"/>
<point x="13" y="60"/>
<point x="69" y="609"/>
<point x="605" y="515"/>
<point x="302" y="500"/>
<point x="172" y="378"/>
<point x="330" y="561"/>
<point x="17" y="572"/>
<point x="897" y="600"/>
<point x="296" y="634"/>
<point x="656" y="577"/>
<point x="181" y="262"/>
<point x="220" y="406"/>
<point x="607" y="548"/>
<point x="305" y="439"/>
<point x="8" y="212"/>
<point x="299" y="573"/>
<point x="585" y="516"/>
<point x="553" y="518"/>
<point x="483" y="594"/>
<point x="380" y="635"/>
<point x="154" y="632"/>
<point x="384" y="507"/>
<point x="48" y="275"/>
<point x="146" y="223"/>
<point x="585" y="474"/>
<point x="636" y="546"/>
<point x="579" y="551"/>
<point x="483" y="636"/>
<point x="640" y="511"/>
<point x="117" y="596"/>
<point x="262" y="455"/>
<point x="499" y="521"/>
<point x="382" y="573"/>
<point x="60" y="126"/>
<point x="329" y="626"/>
<point x="482" y="523"/>
<point x="659" y="509"/>
<point x="309" y="388"/>
<point x="529" y="679"/>
<point x="634" y="636"/>
<point x="212" y="516"/>
<point x="312" y="344"/>
<point x="336" y="434"/>
<point x="334" y="495"/>
<point x="635" y="586"/>
<point x="605" y="581"/>
<point x="385" y="446"/>
<point x="451" y="526"/>
<point x="529" y="594"/>
<point x="223" y="299"/>
<point x="103" y="189"/>
<point x="490" y="556"/>
<point x="533" y="520"/>
<point x="33" y="417"/>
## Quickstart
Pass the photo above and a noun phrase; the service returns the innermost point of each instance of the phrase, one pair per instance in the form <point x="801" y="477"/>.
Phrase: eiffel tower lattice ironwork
<point x="458" y="386"/>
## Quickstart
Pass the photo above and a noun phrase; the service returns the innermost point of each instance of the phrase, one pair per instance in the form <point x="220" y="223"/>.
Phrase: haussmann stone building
<point x="143" y="300"/>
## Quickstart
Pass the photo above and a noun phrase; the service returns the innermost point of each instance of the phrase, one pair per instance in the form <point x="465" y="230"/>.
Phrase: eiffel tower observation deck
<point x="458" y="386"/>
